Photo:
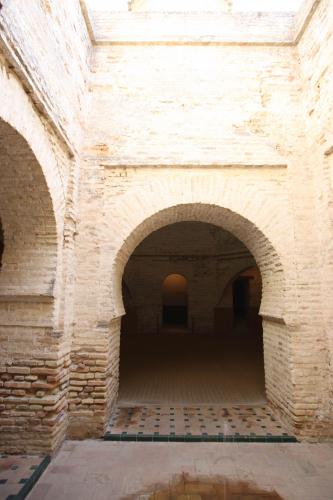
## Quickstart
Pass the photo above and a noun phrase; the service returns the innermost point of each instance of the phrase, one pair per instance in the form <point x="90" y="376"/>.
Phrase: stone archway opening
<point x="28" y="271"/>
<point x="28" y="225"/>
<point x="163" y="206"/>
<point x="192" y="332"/>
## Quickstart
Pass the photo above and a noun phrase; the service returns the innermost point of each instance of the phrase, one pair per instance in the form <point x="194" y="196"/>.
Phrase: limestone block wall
<point x="208" y="257"/>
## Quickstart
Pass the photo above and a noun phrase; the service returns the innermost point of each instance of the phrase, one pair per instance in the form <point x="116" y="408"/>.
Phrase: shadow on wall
<point x="129" y="322"/>
<point x="1" y="243"/>
<point x="238" y="310"/>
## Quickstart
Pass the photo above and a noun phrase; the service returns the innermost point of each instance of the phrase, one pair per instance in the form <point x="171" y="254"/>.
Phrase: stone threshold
<point x="195" y="438"/>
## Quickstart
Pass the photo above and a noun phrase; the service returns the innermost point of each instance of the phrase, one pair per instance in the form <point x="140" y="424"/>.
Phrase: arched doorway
<point x="261" y="251"/>
<point x="28" y="273"/>
<point x="181" y="351"/>
<point x="207" y="199"/>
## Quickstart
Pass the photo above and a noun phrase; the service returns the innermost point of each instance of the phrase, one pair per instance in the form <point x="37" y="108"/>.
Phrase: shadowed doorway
<point x="193" y="290"/>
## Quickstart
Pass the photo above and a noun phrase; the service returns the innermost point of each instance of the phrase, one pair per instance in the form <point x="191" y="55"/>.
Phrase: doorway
<point x="174" y="355"/>
<point x="174" y="297"/>
<point x="240" y="295"/>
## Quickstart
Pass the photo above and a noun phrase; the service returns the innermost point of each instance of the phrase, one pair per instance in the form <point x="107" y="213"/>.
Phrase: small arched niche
<point x="174" y="298"/>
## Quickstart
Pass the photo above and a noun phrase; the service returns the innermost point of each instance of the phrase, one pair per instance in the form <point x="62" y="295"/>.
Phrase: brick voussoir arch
<point x="29" y="263"/>
<point x="161" y="204"/>
<point x="17" y="112"/>
<point x="225" y="202"/>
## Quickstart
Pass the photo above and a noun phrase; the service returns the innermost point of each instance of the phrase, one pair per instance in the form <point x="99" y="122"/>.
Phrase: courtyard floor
<point x="18" y="473"/>
<point x="100" y="470"/>
<point x="187" y="369"/>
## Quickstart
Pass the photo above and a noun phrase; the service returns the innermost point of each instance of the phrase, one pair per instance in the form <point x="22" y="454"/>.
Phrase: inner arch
<point x="28" y="228"/>
<point x="265" y="255"/>
<point x="180" y="342"/>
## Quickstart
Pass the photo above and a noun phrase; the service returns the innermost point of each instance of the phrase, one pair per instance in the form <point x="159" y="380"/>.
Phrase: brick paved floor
<point x="100" y="470"/>
<point x="18" y="473"/>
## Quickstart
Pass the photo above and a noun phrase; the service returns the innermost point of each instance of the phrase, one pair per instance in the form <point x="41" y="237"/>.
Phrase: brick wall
<point x="181" y="129"/>
<point x="43" y="79"/>
<point x="53" y="60"/>
<point x="34" y="363"/>
<point x="133" y="208"/>
<point x="230" y="127"/>
<point x="315" y="57"/>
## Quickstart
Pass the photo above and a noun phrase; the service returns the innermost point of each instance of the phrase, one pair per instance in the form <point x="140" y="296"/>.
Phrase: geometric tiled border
<point x="31" y="481"/>
<point x="195" y="424"/>
<point x="220" y="438"/>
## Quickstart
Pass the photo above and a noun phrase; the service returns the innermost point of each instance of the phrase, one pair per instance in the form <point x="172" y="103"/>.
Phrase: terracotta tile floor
<point x="18" y="473"/>
<point x="206" y="422"/>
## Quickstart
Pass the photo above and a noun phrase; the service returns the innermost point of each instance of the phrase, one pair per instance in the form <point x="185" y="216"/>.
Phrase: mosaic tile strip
<point x="160" y="423"/>
<point x="19" y="473"/>
<point x="202" y="439"/>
